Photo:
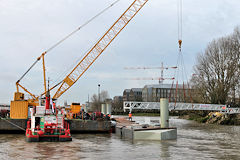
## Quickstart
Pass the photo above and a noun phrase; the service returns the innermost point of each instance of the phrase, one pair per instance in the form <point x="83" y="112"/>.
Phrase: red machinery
<point x="47" y="124"/>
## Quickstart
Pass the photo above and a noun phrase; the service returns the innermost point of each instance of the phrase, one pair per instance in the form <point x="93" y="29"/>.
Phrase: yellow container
<point x="19" y="110"/>
<point x="75" y="108"/>
<point x="18" y="96"/>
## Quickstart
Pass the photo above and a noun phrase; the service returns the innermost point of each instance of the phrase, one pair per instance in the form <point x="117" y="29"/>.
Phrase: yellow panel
<point x="68" y="81"/>
<point x="19" y="110"/>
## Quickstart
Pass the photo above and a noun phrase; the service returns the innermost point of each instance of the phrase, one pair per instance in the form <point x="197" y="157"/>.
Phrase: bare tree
<point x="117" y="106"/>
<point x="96" y="103"/>
<point x="216" y="76"/>
<point x="104" y="95"/>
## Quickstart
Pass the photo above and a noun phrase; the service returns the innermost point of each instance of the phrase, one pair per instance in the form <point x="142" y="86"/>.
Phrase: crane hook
<point x="180" y="44"/>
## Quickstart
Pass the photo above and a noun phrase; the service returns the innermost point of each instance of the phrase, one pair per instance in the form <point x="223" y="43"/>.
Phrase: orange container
<point x="19" y="110"/>
<point x="75" y="108"/>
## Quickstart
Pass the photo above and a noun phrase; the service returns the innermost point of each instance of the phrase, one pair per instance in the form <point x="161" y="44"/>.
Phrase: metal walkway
<point x="128" y="105"/>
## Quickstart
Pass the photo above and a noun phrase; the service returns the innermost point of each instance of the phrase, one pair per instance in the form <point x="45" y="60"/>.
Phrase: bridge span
<point x="131" y="105"/>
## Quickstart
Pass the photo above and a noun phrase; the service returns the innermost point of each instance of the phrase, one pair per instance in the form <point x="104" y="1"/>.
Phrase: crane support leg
<point x="44" y="73"/>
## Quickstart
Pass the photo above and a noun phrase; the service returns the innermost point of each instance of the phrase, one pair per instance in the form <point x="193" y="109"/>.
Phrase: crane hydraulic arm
<point x="99" y="47"/>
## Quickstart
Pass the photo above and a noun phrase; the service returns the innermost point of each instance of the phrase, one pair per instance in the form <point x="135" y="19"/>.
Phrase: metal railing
<point x="130" y="105"/>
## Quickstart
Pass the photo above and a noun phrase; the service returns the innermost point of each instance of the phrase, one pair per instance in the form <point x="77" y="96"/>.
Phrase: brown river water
<point x="195" y="141"/>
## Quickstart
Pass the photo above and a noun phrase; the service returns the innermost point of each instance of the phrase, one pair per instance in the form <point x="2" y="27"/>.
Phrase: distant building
<point x="126" y="93"/>
<point x="153" y="93"/>
<point x="135" y="94"/>
<point x="117" y="99"/>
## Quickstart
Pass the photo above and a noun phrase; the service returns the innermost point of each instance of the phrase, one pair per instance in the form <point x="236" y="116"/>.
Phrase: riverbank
<point x="210" y="117"/>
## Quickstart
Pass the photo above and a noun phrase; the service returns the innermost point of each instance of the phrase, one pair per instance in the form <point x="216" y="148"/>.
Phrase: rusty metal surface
<point x="89" y="126"/>
<point x="5" y="126"/>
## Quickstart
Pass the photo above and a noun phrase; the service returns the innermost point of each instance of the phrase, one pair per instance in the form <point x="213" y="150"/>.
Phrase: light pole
<point x="99" y="96"/>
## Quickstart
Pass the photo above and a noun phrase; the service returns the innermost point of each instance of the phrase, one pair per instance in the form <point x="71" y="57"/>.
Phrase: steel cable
<point x="83" y="25"/>
<point x="69" y="35"/>
<point x="13" y="124"/>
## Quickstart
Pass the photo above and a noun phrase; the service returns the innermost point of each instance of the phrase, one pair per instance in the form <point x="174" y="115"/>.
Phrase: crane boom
<point x="100" y="46"/>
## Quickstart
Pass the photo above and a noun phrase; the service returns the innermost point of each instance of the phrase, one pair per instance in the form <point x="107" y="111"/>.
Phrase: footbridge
<point x="131" y="105"/>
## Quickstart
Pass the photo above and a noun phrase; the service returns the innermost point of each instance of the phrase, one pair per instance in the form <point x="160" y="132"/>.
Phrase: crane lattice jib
<point x="100" y="46"/>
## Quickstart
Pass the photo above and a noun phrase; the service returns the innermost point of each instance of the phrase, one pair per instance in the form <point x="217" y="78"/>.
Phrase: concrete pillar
<point x="164" y="113"/>
<point x="109" y="108"/>
<point x="103" y="108"/>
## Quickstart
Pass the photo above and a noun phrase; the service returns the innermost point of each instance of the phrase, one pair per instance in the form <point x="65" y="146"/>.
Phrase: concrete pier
<point x="164" y="113"/>
<point x="131" y="133"/>
<point x="134" y="131"/>
<point x="109" y="108"/>
<point x="103" y="108"/>
<point x="160" y="134"/>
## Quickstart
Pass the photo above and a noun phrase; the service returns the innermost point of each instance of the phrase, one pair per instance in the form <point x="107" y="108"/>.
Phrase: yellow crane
<point x="79" y="69"/>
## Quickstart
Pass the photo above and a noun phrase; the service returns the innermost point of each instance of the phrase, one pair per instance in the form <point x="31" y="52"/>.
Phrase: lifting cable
<point x="63" y="74"/>
<point x="86" y="23"/>
<point x="69" y="35"/>
<point x="180" y="24"/>
<point x="180" y="73"/>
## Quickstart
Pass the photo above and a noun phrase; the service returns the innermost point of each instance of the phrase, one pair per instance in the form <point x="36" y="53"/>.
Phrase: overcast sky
<point x="27" y="28"/>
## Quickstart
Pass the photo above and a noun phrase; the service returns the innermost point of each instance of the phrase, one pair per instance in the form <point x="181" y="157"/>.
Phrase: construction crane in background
<point x="160" y="79"/>
<point x="84" y="64"/>
<point x="153" y="78"/>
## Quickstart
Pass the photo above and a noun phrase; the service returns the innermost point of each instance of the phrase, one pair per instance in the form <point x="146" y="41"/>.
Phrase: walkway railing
<point x="130" y="105"/>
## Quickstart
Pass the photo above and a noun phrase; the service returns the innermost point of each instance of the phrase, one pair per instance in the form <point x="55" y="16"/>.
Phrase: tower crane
<point x="160" y="79"/>
<point x="84" y="64"/>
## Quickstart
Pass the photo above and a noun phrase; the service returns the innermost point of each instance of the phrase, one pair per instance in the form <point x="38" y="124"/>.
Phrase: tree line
<point x="216" y="74"/>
